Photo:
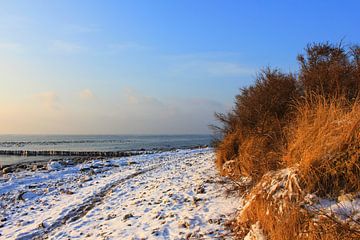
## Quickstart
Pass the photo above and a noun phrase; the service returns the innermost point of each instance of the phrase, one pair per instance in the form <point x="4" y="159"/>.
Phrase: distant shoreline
<point x="69" y="158"/>
<point x="91" y="153"/>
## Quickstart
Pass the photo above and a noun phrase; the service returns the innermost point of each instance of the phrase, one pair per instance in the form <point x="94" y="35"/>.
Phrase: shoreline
<point x="72" y="158"/>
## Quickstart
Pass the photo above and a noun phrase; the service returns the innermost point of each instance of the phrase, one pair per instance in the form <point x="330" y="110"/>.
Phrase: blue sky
<point x="89" y="67"/>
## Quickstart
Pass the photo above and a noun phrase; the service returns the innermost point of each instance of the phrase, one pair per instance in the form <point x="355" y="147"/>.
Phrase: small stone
<point x="86" y="178"/>
<point x="84" y="169"/>
<point x="200" y="190"/>
<point x="66" y="191"/>
<point x="111" y="216"/>
<point x="7" y="170"/>
<point x="27" y="196"/>
<point x="127" y="216"/>
<point x="195" y="200"/>
<point x="184" y="224"/>
<point x="43" y="225"/>
<point x="155" y="232"/>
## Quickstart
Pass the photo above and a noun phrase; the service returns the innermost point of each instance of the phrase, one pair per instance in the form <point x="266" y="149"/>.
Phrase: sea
<point x="98" y="143"/>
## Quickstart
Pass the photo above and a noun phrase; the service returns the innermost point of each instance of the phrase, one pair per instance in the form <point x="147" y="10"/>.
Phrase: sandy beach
<point x="168" y="195"/>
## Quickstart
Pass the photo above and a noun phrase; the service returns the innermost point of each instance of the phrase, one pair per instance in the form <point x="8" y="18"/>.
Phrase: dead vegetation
<point x="324" y="143"/>
<point x="295" y="135"/>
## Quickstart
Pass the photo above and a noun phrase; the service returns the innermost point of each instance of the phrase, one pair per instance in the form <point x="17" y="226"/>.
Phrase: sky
<point x="148" y="67"/>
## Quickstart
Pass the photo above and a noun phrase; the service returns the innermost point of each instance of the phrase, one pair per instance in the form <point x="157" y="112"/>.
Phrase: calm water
<point x="93" y="143"/>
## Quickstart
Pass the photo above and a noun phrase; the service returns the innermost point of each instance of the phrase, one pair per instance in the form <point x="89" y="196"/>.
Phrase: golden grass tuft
<point x="276" y="205"/>
<point x="273" y="204"/>
<point x="256" y="158"/>
<point x="246" y="157"/>
<point x="227" y="150"/>
<point x="290" y="151"/>
<point x="324" y="142"/>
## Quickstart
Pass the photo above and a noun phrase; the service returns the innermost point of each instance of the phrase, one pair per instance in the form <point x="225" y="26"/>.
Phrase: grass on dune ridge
<point x="302" y="132"/>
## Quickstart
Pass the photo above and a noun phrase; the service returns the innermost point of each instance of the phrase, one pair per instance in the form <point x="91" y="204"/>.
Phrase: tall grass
<point x="254" y="132"/>
<point x="295" y="134"/>
<point x="324" y="142"/>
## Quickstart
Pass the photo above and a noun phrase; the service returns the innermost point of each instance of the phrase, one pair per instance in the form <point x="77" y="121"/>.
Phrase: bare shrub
<point x="252" y="132"/>
<point x="330" y="70"/>
<point x="294" y="135"/>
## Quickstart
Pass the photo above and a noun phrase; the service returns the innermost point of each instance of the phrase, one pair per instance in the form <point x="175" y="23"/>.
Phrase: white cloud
<point x="207" y="64"/>
<point x="86" y="94"/>
<point x="135" y="98"/>
<point x="12" y="47"/>
<point x="49" y="100"/>
<point x="227" y="69"/>
<point x="118" y="47"/>
<point x="140" y="113"/>
<point x="61" y="46"/>
<point x="11" y="22"/>
<point x="212" y="68"/>
<point x="75" y="28"/>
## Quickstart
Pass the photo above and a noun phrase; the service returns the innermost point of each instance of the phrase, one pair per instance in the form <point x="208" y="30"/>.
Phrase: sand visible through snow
<point x="168" y="195"/>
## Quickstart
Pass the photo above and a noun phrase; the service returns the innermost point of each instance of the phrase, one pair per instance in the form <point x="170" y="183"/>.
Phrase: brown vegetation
<point x="301" y="132"/>
<point x="254" y="127"/>
<point x="324" y="143"/>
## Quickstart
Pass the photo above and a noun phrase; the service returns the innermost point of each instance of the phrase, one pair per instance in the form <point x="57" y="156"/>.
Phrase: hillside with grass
<point x="292" y="145"/>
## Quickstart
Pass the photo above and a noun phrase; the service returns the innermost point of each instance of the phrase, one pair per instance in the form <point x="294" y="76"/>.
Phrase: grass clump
<point x="324" y="143"/>
<point x="294" y="136"/>
<point x="252" y="132"/>
<point x="255" y="132"/>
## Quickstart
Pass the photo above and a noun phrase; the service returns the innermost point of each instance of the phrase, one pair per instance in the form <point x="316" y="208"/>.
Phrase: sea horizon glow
<point x="120" y="67"/>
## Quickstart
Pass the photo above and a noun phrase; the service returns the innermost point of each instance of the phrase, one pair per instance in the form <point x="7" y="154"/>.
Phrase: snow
<point x="168" y="195"/>
<point x="255" y="233"/>
<point x="54" y="166"/>
<point x="346" y="209"/>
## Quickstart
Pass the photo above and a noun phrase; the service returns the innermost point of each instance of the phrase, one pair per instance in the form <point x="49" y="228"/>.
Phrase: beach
<point x="166" y="195"/>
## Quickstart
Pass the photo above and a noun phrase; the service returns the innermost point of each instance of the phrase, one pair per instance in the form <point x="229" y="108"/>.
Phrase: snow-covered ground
<point x="168" y="195"/>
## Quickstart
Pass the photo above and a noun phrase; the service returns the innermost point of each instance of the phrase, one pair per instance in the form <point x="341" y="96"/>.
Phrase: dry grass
<point x="325" y="142"/>
<point x="253" y="130"/>
<point x="253" y="156"/>
<point x="276" y="205"/>
<point x="323" y="156"/>
<point x="317" y="138"/>
<point x="272" y="203"/>
<point x="265" y="108"/>
<point x="227" y="150"/>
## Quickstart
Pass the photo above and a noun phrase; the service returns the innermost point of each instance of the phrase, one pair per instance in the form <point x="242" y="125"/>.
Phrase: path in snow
<point x="169" y="195"/>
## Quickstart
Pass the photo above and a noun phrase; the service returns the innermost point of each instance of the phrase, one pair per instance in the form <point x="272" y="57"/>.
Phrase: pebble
<point x="7" y="170"/>
<point x="127" y="216"/>
<point x="27" y="196"/>
<point x="200" y="189"/>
